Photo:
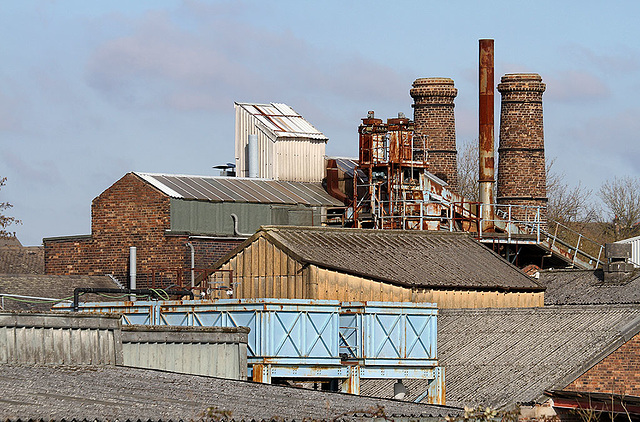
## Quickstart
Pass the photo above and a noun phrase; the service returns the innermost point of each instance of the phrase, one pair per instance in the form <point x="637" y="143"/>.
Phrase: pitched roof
<point x="21" y="260"/>
<point x="113" y="392"/>
<point x="9" y="241"/>
<point x="587" y="287"/>
<point x="502" y="356"/>
<point x="47" y="286"/>
<point x="240" y="189"/>
<point x="282" y="121"/>
<point x="409" y="258"/>
<point x="497" y="357"/>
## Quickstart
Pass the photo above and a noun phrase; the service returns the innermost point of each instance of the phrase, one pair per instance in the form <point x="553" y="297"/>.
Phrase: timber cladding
<point x="265" y="268"/>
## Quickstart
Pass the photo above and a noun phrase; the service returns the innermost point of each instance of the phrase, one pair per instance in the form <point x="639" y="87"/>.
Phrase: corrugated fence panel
<point x="58" y="339"/>
<point x="212" y="351"/>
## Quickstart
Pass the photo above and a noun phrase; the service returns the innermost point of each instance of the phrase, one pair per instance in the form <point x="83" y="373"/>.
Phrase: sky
<point x="92" y="90"/>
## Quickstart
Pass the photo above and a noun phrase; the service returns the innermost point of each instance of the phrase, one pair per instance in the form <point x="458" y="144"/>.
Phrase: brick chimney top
<point x="521" y="82"/>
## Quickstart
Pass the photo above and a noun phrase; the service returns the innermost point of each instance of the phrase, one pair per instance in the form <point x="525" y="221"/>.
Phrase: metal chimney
<point x="486" y="170"/>
<point x="253" y="156"/>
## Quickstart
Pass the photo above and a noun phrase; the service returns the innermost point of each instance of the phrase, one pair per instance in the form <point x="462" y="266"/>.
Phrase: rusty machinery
<point x="392" y="191"/>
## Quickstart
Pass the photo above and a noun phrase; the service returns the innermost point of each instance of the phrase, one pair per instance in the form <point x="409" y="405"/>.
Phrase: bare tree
<point x="468" y="170"/>
<point x="621" y="196"/>
<point x="568" y="204"/>
<point x="6" y="221"/>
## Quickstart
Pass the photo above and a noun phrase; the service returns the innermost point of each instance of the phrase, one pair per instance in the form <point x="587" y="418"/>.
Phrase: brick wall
<point x="521" y="165"/>
<point x="67" y="256"/>
<point x="131" y="213"/>
<point x="618" y="373"/>
<point x="433" y="115"/>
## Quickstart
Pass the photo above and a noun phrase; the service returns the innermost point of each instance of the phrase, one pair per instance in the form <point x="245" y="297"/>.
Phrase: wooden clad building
<point x="450" y="269"/>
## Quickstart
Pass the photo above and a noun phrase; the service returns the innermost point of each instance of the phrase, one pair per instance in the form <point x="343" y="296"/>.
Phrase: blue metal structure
<point x="317" y="339"/>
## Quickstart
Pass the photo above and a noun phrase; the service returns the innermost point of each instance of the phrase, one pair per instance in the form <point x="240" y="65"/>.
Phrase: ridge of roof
<point x="285" y="123"/>
<point x="239" y="189"/>
<point x="429" y="259"/>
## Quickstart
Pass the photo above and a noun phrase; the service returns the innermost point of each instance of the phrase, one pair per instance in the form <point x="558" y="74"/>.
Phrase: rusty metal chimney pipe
<point x="486" y="171"/>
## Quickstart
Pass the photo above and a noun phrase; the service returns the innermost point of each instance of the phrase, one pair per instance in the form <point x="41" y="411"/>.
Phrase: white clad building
<point x="289" y="148"/>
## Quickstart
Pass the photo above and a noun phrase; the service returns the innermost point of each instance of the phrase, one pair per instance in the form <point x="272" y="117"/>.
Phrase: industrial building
<point x="450" y="269"/>
<point x="272" y="141"/>
<point x="179" y="223"/>
<point x="298" y="245"/>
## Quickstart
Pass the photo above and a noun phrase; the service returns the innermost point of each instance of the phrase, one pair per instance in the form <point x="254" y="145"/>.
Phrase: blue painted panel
<point x="289" y="331"/>
<point x="389" y="333"/>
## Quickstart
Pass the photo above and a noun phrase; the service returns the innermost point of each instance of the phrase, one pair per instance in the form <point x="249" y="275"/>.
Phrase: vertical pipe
<point x="253" y="156"/>
<point x="193" y="262"/>
<point x="132" y="270"/>
<point x="486" y="133"/>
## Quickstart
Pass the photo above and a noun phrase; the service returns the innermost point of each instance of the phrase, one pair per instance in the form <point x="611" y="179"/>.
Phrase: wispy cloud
<point x="575" y="86"/>
<point x="217" y="58"/>
<point x="612" y="61"/>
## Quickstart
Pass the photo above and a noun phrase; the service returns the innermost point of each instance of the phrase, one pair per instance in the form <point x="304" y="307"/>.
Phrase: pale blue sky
<point x="94" y="89"/>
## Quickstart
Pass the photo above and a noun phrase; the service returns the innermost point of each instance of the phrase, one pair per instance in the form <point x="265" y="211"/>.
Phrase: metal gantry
<point x="311" y="339"/>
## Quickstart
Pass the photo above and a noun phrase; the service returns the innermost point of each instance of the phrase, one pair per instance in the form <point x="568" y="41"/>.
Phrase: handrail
<point x="529" y="222"/>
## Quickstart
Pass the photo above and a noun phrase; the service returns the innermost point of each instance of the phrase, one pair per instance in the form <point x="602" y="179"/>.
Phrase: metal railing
<point x="577" y="243"/>
<point x="511" y="221"/>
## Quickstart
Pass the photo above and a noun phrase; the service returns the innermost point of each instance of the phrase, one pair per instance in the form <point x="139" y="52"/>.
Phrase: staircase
<point x="555" y="239"/>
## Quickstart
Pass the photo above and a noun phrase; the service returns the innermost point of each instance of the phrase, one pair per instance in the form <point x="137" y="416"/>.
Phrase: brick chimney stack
<point x="521" y="165"/>
<point x="433" y="117"/>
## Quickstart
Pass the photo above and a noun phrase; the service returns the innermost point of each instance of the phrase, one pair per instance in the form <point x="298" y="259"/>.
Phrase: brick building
<point x="165" y="216"/>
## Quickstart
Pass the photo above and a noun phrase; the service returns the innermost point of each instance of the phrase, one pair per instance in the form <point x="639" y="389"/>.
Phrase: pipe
<point x="132" y="269"/>
<point x="253" y="156"/>
<point x="193" y="264"/>
<point x="159" y="293"/>
<point x="486" y="171"/>
<point x="235" y="227"/>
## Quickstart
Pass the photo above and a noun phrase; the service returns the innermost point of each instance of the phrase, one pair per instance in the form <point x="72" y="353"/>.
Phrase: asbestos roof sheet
<point x="96" y="393"/>
<point x="411" y="258"/>
<point x="240" y="189"/>
<point x="48" y="286"/>
<point x="587" y="287"/>
<point x="499" y="357"/>
<point x="282" y="121"/>
<point x="512" y="355"/>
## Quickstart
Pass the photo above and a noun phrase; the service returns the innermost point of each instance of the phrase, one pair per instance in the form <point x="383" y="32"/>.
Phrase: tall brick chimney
<point x="433" y="117"/>
<point x="521" y="165"/>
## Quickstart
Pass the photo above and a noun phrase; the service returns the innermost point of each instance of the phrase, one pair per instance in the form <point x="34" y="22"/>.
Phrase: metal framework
<point x="311" y="339"/>
<point x="393" y="161"/>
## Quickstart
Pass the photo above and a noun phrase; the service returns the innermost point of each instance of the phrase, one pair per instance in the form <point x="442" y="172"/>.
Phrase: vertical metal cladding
<point x="434" y="118"/>
<point x="521" y="167"/>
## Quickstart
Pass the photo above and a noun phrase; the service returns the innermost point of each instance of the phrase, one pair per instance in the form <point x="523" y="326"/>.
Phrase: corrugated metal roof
<point x="240" y="189"/>
<point x="413" y="258"/>
<point x="498" y="357"/>
<point x="282" y="121"/>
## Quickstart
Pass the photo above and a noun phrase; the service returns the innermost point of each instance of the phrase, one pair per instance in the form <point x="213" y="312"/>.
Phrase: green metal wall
<point x="214" y="218"/>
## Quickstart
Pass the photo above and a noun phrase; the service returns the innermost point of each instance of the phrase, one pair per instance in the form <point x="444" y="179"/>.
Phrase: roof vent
<point x="618" y="266"/>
